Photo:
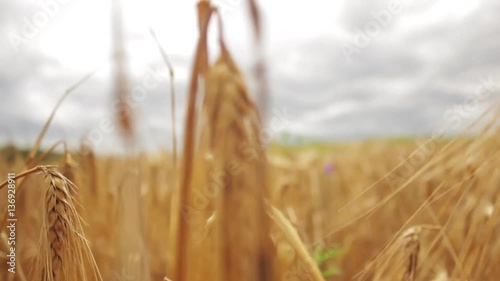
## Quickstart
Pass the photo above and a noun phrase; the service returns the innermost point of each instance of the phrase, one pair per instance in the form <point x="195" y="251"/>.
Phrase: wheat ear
<point x="64" y="252"/>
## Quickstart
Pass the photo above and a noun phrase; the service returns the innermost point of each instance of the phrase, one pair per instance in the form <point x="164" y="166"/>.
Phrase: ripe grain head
<point x="62" y="244"/>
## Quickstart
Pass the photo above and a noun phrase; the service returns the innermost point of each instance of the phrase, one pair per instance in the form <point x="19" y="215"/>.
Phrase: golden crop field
<point x="230" y="207"/>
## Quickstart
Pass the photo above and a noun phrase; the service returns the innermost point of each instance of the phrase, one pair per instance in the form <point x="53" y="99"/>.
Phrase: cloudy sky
<point x="339" y="69"/>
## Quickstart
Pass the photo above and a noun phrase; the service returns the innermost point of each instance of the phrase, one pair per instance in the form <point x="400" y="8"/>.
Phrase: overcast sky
<point x="339" y="69"/>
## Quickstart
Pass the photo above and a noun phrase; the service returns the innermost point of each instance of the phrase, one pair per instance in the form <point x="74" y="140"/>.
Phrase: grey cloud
<point x="390" y="88"/>
<point x="465" y="52"/>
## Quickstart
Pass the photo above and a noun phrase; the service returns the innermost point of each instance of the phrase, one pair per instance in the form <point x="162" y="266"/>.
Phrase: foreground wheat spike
<point x="64" y="254"/>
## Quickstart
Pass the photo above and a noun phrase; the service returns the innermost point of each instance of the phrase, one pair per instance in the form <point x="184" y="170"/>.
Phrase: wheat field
<point x="229" y="207"/>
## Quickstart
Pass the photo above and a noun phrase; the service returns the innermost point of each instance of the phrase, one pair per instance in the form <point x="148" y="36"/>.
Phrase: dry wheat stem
<point x="167" y="62"/>
<point x="36" y="169"/>
<point x="36" y="146"/>
<point x="48" y="152"/>
<point x="188" y="153"/>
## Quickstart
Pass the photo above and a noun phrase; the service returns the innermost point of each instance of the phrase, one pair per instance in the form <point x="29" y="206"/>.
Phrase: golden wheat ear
<point x="64" y="253"/>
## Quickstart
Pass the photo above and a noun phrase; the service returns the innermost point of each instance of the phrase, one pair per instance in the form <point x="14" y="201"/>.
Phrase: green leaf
<point x="323" y="255"/>
<point x="334" y="270"/>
